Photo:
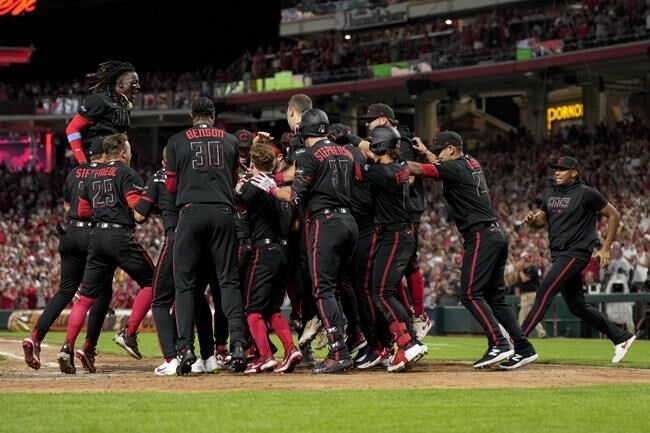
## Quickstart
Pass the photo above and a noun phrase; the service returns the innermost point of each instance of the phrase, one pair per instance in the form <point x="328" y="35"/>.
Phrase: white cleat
<point x="167" y="368"/>
<point x="211" y="365"/>
<point x="620" y="350"/>
<point x="310" y="331"/>
<point x="421" y="326"/>
<point x="198" y="367"/>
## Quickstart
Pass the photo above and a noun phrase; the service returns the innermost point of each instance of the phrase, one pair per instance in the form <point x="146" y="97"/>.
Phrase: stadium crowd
<point x="614" y="161"/>
<point x="440" y="42"/>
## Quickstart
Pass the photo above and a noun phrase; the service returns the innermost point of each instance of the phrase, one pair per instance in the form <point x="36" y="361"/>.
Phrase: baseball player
<point x="155" y="195"/>
<point x="571" y="210"/>
<point x="73" y="249"/>
<point x="202" y="170"/>
<point x="485" y="244"/>
<point x="110" y="193"/>
<point x="270" y="222"/>
<point x="324" y="177"/>
<point x="107" y="110"/>
<point x="389" y="176"/>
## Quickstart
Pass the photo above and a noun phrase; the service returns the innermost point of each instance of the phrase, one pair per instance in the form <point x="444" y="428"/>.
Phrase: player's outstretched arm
<point x="613" y="219"/>
<point x="423" y="170"/>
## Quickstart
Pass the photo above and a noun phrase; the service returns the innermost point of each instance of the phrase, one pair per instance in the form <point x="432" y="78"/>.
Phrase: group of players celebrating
<point x="324" y="215"/>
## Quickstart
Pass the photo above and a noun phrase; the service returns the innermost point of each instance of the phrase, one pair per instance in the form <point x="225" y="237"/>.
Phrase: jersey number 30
<point x="207" y="154"/>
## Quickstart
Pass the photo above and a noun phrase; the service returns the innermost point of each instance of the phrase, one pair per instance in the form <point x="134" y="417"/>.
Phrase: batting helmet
<point x="314" y="123"/>
<point x="383" y="139"/>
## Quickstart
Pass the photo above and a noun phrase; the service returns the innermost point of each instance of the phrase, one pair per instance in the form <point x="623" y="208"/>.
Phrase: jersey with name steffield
<point x="74" y="184"/>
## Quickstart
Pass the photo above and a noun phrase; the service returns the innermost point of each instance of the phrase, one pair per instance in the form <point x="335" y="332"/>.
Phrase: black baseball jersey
<point x="269" y="218"/>
<point x="156" y="195"/>
<point x="416" y="189"/>
<point x="361" y="197"/>
<point x="108" y="114"/>
<point x="112" y="189"/>
<point x="390" y="190"/>
<point x="466" y="192"/>
<point x="572" y="213"/>
<point x="74" y="184"/>
<point x="205" y="161"/>
<point x="324" y="176"/>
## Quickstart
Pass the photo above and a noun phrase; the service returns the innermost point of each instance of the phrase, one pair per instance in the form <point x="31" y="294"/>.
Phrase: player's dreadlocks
<point x="203" y="107"/>
<point x="106" y="75"/>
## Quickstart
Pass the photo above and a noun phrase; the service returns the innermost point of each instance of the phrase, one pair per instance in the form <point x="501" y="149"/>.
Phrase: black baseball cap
<point x="96" y="146"/>
<point x="245" y="138"/>
<point x="565" y="162"/>
<point x="380" y="110"/>
<point x="446" y="138"/>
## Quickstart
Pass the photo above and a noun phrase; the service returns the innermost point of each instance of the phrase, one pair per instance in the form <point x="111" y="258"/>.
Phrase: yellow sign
<point x="563" y="112"/>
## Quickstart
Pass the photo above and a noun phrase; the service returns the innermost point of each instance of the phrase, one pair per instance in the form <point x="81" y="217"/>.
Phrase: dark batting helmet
<point x="314" y="123"/>
<point x="383" y="139"/>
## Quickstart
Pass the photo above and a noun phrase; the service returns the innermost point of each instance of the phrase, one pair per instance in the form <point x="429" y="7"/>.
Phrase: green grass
<point x="597" y="352"/>
<point x="586" y="409"/>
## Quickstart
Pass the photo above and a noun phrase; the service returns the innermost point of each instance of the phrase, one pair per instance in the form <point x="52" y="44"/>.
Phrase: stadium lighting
<point x="448" y="22"/>
<point x="347" y="37"/>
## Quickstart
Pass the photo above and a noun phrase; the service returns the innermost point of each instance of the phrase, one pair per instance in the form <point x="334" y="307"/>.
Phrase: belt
<point x="480" y="226"/>
<point x="110" y="226"/>
<point x="334" y="210"/>
<point x="261" y="243"/>
<point x="84" y="224"/>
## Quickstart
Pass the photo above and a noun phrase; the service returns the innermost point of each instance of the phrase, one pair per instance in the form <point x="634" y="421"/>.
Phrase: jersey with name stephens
<point x="324" y="176"/>
<point x="155" y="195"/>
<point x="74" y="184"/>
<point x="204" y="163"/>
<point x="112" y="190"/>
<point x="107" y="114"/>
<point x="572" y="214"/>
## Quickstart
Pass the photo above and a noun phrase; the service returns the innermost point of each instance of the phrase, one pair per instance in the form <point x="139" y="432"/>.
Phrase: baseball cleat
<point x="66" y="360"/>
<point x="372" y="359"/>
<point x="128" y="343"/>
<point x="87" y="355"/>
<point x="620" y="350"/>
<point x="495" y="355"/>
<point x="312" y="327"/>
<point x="198" y="367"/>
<point x="261" y="365"/>
<point x="167" y="368"/>
<point x="32" y="350"/>
<point x="291" y="359"/>
<point x="356" y="342"/>
<point x="421" y="326"/>
<point x="331" y="366"/>
<point x="185" y="361"/>
<point x="211" y="365"/>
<point x="308" y="359"/>
<point x="238" y="355"/>
<point x="407" y="356"/>
<point x="519" y="360"/>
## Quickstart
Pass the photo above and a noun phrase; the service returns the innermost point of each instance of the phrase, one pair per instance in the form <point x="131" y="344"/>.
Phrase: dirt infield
<point x="121" y="374"/>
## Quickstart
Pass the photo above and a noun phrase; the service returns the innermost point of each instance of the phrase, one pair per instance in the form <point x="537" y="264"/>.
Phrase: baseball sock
<point x="258" y="330"/>
<point x="281" y="329"/>
<point x="141" y="305"/>
<point x="77" y="318"/>
<point x="416" y="284"/>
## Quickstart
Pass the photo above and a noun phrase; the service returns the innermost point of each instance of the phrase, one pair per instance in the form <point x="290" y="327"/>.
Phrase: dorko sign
<point x="16" y="7"/>
<point x="563" y="112"/>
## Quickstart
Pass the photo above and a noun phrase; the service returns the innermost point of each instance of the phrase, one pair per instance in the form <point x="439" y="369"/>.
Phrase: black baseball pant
<point x="483" y="290"/>
<point x="333" y="240"/>
<point x="393" y="250"/>
<point x="266" y="279"/>
<point x="565" y="276"/>
<point x="206" y="230"/>
<point x="73" y="249"/>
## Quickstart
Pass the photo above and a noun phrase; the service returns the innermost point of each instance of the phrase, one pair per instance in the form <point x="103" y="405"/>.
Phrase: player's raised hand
<point x="262" y="138"/>
<point x="263" y="182"/>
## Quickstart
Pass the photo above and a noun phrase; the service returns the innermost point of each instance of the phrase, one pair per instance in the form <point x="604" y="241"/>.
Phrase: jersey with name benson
<point x="572" y="213"/>
<point x="466" y="192"/>
<point x="156" y="195"/>
<point x="206" y="161"/>
<point x="108" y="189"/>
<point x="390" y="184"/>
<point x="108" y="114"/>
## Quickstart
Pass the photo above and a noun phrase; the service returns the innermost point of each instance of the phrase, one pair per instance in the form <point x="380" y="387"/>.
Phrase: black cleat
<point x="66" y="360"/>
<point x="185" y="361"/>
<point x="356" y="342"/>
<point x="130" y="344"/>
<point x="331" y="366"/>
<point x="520" y="359"/>
<point x="495" y="355"/>
<point x="238" y="355"/>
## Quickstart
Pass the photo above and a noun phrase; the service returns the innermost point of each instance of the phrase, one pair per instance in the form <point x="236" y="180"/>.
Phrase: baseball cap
<point x="380" y="110"/>
<point x="446" y="138"/>
<point x="245" y="138"/>
<point x="286" y="137"/>
<point x="565" y="162"/>
<point x="96" y="146"/>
